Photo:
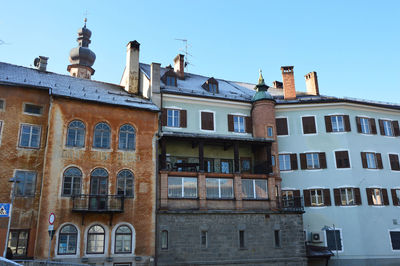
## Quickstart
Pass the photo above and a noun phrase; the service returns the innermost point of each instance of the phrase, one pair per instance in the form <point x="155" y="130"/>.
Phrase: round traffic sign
<point x="52" y="217"/>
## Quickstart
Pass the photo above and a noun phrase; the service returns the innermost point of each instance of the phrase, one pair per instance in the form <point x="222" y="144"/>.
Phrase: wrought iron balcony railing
<point x="98" y="203"/>
<point x="291" y="204"/>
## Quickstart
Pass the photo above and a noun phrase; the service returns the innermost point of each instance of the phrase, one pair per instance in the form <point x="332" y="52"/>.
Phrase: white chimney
<point x="312" y="83"/>
<point x="41" y="63"/>
<point x="132" y="67"/>
<point x="179" y="66"/>
<point x="155" y="83"/>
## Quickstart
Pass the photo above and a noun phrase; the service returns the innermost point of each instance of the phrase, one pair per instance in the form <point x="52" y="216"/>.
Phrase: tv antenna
<point x="186" y="52"/>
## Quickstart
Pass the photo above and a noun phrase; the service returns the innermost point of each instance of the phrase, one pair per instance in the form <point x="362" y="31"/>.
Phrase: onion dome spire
<point x="262" y="90"/>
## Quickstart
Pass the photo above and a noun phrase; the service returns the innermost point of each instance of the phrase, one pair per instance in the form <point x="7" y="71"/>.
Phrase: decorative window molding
<point x="76" y="134"/>
<point x="67" y="240"/>
<point x="102" y="136"/>
<point x="125" y="183"/>
<point x="72" y="182"/>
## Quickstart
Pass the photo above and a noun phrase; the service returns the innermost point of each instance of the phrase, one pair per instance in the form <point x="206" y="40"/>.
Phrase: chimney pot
<point x="312" y="83"/>
<point x="179" y="66"/>
<point x="289" y="89"/>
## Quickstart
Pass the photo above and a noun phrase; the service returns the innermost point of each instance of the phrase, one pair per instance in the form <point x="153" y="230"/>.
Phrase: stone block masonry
<point x="223" y="244"/>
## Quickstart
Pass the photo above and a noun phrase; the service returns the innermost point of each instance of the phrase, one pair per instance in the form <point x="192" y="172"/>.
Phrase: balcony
<point x="290" y="204"/>
<point x="98" y="203"/>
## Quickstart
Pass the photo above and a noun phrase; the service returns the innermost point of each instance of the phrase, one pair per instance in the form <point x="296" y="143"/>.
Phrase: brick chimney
<point x="179" y="66"/>
<point x="312" y="83"/>
<point x="289" y="90"/>
<point x="132" y="67"/>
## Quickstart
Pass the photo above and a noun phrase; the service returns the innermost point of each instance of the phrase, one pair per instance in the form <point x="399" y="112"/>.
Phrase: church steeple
<point x="81" y="57"/>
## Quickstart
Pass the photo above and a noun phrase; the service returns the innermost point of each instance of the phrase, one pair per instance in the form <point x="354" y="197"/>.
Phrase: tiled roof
<point x="72" y="87"/>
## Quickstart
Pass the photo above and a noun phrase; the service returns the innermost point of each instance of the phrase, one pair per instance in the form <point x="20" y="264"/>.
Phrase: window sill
<point x="221" y="199"/>
<point x="172" y="198"/>
<point x="74" y="148"/>
<point x="255" y="199"/>
<point x="29" y="148"/>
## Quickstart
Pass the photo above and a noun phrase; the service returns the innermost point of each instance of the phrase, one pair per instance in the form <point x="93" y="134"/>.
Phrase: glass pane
<point x="261" y="189"/>
<point x="175" y="187"/>
<point x="190" y="187"/>
<point x="247" y="188"/>
<point x="226" y="188"/>
<point x="212" y="188"/>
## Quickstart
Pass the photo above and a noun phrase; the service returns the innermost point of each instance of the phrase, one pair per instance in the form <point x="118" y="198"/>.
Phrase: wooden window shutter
<point x="308" y="125"/>
<point x="249" y="124"/>
<point x="364" y="159"/>
<point x="394" y="197"/>
<point x="281" y="126"/>
<point x="373" y="125"/>
<point x="230" y="123"/>
<point x="183" y="118"/>
<point x="358" y="121"/>
<point x="322" y="160"/>
<point x="339" y="159"/>
<point x="347" y="126"/>
<point x="394" y="162"/>
<point x="327" y="197"/>
<point x="381" y="127"/>
<point x="293" y="161"/>
<point x="303" y="161"/>
<point x="164" y="117"/>
<point x="395" y="125"/>
<point x="328" y="124"/>
<point x="207" y="121"/>
<point x="336" y="195"/>
<point x="357" y="196"/>
<point x="385" y="196"/>
<point x="296" y="193"/>
<point x="369" y="196"/>
<point x="379" y="160"/>
<point x="307" y="198"/>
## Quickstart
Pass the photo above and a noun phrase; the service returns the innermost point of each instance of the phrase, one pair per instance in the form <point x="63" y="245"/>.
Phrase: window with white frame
<point x="365" y="125"/>
<point x="347" y="196"/>
<point x="371" y="160"/>
<point x="26" y="181"/>
<point x="67" y="240"/>
<point x="72" y="182"/>
<point x="182" y="187"/>
<point x="388" y="128"/>
<point x="76" y="134"/>
<point x="102" y="135"/>
<point x="173" y="118"/>
<point x="127" y="138"/>
<point x="254" y="189"/>
<point x="395" y="239"/>
<point x="123" y="239"/>
<point x="284" y="162"/>
<point x="33" y="109"/>
<point x="312" y="160"/>
<point x="29" y="136"/>
<point x="239" y="124"/>
<point x="219" y="188"/>
<point x="287" y="198"/>
<point x="337" y="123"/>
<point x="334" y="239"/>
<point x="95" y="240"/>
<point x="317" y="197"/>
<point x="125" y="183"/>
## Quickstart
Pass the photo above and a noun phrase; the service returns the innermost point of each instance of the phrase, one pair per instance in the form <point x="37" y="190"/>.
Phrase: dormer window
<point x="211" y="85"/>
<point x="169" y="78"/>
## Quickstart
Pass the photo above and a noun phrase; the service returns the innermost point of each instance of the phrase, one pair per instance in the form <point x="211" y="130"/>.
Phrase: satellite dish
<point x="36" y="62"/>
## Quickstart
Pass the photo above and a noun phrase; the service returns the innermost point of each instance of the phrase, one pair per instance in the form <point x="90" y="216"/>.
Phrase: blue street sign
<point x="5" y="209"/>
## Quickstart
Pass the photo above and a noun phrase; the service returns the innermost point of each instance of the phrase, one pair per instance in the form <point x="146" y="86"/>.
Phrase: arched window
<point x="76" y="134"/>
<point x="125" y="183"/>
<point x="126" y="138"/>
<point x="102" y="134"/>
<point x="67" y="240"/>
<point x="123" y="239"/>
<point x="72" y="182"/>
<point x="95" y="240"/>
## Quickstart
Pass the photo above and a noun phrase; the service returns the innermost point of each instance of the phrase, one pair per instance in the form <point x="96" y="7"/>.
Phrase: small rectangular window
<point x="281" y="126"/>
<point x="394" y="161"/>
<point x="164" y="239"/>
<point x="277" y="238"/>
<point x="337" y="123"/>
<point x="239" y="124"/>
<point x="371" y="160"/>
<point x="312" y="160"/>
<point x="317" y="197"/>
<point x="270" y="132"/>
<point x="207" y="121"/>
<point x="387" y="128"/>
<point x="241" y="239"/>
<point x="203" y="239"/>
<point x="26" y="182"/>
<point x="171" y="81"/>
<point x="173" y="118"/>
<point x="18" y="242"/>
<point x="309" y="125"/>
<point x="33" y="109"/>
<point x="334" y="240"/>
<point x="29" y="136"/>
<point x="396" y="197"/>
<point x="342" y="159"/>
<point x="395" y="239"/>
<point x="226" y="166"/>
<point x="284" y="162"/>
<point x="347" y="196"/>
<point x="219" y="188"/>
<point x="245" y="165"/>
<point x="182" y="187"/>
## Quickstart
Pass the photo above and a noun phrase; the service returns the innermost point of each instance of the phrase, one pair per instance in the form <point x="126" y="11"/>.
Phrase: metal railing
<point x="46" y="263"/>
<point x="98" y="203"/>
<point x="290" y="204"/>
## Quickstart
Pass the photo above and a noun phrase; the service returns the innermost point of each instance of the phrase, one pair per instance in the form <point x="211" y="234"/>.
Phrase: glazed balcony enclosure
<point x="206" y="172"/>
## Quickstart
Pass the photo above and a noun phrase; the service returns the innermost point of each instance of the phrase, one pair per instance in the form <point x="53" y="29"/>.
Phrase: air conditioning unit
<point x="317" y="237"/>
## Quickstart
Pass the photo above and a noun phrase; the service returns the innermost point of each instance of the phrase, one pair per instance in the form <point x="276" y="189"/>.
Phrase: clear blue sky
<point x="353" y="45"/>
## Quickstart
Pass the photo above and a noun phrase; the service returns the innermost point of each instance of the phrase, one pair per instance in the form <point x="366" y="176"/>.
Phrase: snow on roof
<point x="72" y="87"/>
<point x="242" y="91"/>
